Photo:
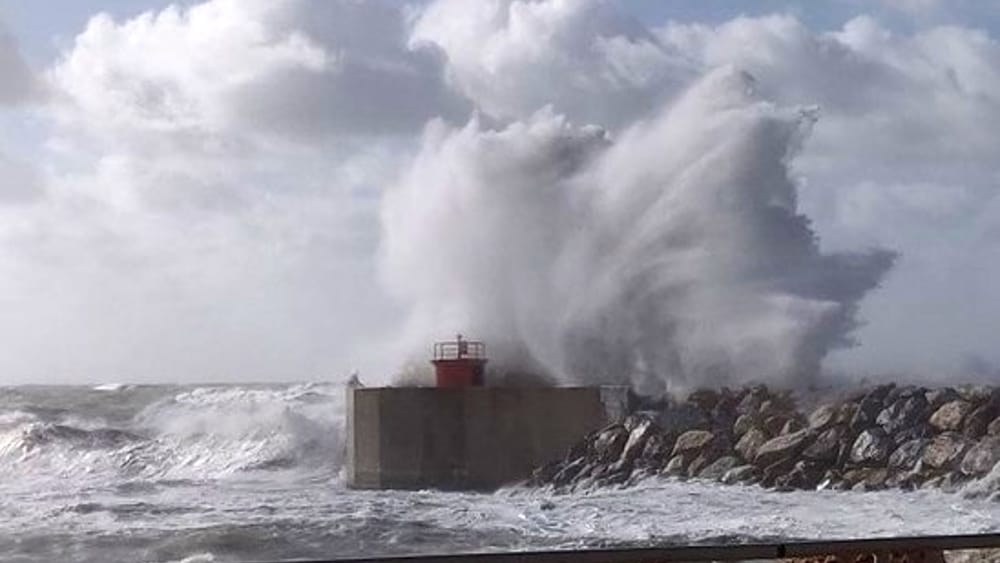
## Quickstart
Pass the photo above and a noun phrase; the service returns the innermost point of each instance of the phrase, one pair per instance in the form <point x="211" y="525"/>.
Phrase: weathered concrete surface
<point x="468" y="438"/>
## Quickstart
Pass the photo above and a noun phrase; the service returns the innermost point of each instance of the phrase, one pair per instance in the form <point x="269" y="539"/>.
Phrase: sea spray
<point x="668" y="256"/>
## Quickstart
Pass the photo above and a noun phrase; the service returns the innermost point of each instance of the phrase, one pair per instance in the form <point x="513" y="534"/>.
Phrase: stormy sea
<point x="254" y="473"/>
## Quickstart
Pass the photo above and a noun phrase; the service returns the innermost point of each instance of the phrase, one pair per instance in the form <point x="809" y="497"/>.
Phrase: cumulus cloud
<point x="17" y="81"/>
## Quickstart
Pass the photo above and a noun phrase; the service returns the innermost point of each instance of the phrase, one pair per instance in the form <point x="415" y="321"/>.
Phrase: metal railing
<point x="880" y="548"/>
<point x="459" y="349"/>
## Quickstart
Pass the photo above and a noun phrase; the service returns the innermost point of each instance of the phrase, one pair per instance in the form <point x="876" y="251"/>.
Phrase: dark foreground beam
<point x="736" y="552"/>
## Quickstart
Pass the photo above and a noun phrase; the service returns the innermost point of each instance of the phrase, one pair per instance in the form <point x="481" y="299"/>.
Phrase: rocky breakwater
<point x="888" y="437"/>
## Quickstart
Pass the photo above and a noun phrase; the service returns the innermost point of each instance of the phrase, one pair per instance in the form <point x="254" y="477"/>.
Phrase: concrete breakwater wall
<point x="888" y="437"/>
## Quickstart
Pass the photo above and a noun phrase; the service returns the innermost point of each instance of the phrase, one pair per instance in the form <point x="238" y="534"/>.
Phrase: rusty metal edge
<point x="697" y="552"/>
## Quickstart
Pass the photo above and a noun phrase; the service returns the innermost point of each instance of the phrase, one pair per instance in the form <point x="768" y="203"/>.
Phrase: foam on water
<point x="252" y="472"/>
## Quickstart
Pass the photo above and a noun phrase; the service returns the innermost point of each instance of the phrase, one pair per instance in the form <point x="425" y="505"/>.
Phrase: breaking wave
<point x="198" y="434"/>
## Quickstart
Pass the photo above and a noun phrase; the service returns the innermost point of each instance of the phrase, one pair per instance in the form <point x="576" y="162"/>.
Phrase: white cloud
<point x="18" y="83"/>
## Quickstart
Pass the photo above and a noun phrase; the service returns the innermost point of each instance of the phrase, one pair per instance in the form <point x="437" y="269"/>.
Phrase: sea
<point x="193" y="473"/>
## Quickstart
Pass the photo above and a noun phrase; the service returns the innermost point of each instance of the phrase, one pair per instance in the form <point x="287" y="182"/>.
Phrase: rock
<point x="976" y="394"/>
<point x="656" y="451"/>
<point x="981" y="457"/>
<point x="693" y="442"/>
<point x="770" y="474"/>
<point x="938" y="397"/>
<point x="642" y="429"/>
<point x="676" y="467"/>
<point x="822" y="417"/>
<point x="846" y="413"/>
<point x="950" y="415"/>
<point x="904" y="413"/>
<point x="544" y="474"/>
<point x="871" y="447"/>
<point x="944" y="450"/>
<point x="804" y="475"/>
<point x="569" y="472"/>
<point x="782" y="447"/>
<point x="700" y="462"/>
<point x="610" y="442"/>
<point x="752" y="399"/>
<point x="873" y="480"/>
<point x="705" y="399"/>
<point x="678" y="419"/>
<point x="921" y="430"/>
<point x="791" y="425"/>
<point x="744" y="474"/>
<point x="774" y="424"/>
<point x="719" y="467"/>
<point x="751" y="441"/>
<point x="977" y="422"/>
<point x="866" y="414"/>
<point x="826" y="446"/>
<point x="994" y="428"/>
<point x="908" y="454"/>
<point x="743" y="423"/>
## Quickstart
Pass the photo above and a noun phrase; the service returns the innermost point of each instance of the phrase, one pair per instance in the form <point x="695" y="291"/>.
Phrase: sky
<point x="632" y="191"/>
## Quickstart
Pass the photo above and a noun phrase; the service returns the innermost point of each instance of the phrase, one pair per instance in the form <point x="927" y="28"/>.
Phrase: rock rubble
<point x="887" y="437"/>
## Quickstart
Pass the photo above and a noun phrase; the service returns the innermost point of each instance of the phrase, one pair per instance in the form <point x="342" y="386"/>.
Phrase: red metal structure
<point x="460" y="363"/>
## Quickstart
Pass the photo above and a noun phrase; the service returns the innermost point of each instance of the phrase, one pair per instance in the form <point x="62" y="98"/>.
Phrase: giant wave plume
<point x="669" y="255"/>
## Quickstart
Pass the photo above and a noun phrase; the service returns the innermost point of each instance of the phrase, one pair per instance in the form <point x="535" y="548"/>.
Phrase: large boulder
<point x="719" y="467"/>
<point x="782" y="447"/>
<point x="656" y="452"/>
<point x="904" y="413"/>
<point x="804" y="474"/>
<point x="920" y="430"/>
<point x="693" y="442"/>
<point x="978" y="421"/>
<point x="871" y="447"/>
<point x="866" y="414"/>
<point x="908" y="454"/>
<point x="642" y="429"/>
<point x="981" y="457"/>
<point x="608" y="445"/>
<point x="944" y="451"/>
<point x="994" y="428"/>
<point x="949" y="416"/>
<point x="676" y="467"/>
<point x="822" y="417"/>
<point x="826" y="446"/>
<point x="938" y="397"/>
<point x="745" y="422"/>
<point x="704" y="399"/>
<point x="744" y="474"/>
<point x="751" y="441"/>
<point x="976" y="394"/>
<point x="678" y="419"/>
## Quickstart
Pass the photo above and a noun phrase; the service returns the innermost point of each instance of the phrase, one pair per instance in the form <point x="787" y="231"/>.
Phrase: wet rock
<point x="823" y="417"/>
<point x="904" y="413"/>
<point x="866" y="414"/>
<point x="938" y="397"/>
<point x="908" y="454"/>
<point x="676" y="467"/>
<point x="791" y="425"/>
<point x="642" y="429"/>
<point x="976" y="394"/>
<point x="678" y="419"/>
<point x="944" y="451"/>
<point x="752" y="399"/>
<point x="774" y="424"/>
<point x="981" y="457"/>
<point x="743" y="423"/>
<point x="568" y="472"/>
<point x="826" y="446"/>
<point x="743" y="474"/>
<point x="719" y="467"/>
<point x="750" y="443"/>
<point x="921" y="430"/>
<point x="700" y="462"/>
<point x="871" y="447"/>
<point x="846" y="413"/>
<point x="693" y="442"/>
<point x="803" y="475"/>
<point x="770" y="474"/>
<point x="977" y="421"/>
<point x="782" y="447"/>
<point x="610" y="442"/>
<point x="994" y="428"/>
<point x="873" y="480"/>
<point x="656" y="451"/>
<point x="704" y="399"/>
<point x="950" y="415"/>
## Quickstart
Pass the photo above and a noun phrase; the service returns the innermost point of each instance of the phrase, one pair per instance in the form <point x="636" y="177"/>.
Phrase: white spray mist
<point x="669" y="257"/>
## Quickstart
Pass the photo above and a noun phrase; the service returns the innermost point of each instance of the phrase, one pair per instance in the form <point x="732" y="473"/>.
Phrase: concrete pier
<point x="466" y="438"/>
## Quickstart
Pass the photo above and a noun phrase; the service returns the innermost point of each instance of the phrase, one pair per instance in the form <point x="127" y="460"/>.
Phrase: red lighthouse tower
<point x="460" y="363"/>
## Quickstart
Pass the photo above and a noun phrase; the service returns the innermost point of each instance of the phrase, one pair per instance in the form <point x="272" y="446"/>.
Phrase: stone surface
<point x="904" y="413"/>
<point x="610" y="442"/>
<point x="742" y="474"/>
<point x="719" y="467"/>
<point x="822" y="417"/>
<point x="871" y="447"/>
<point x="908" y="454"/>
<point x="642" y="429"/>
<point x="981" y="457"/>
<point x="743" y="423"/>
<point x="676" y="466"/>
<point x="994" y="428"/>
<point x="826" y="446"/>
<point x="976" y="422"/>
<point x="751" y="441"/>
<point x="692" y="442"/>
<point x="782" y="447"/>
<point x="944" y="450"/>
<point x="950" y="415"/>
